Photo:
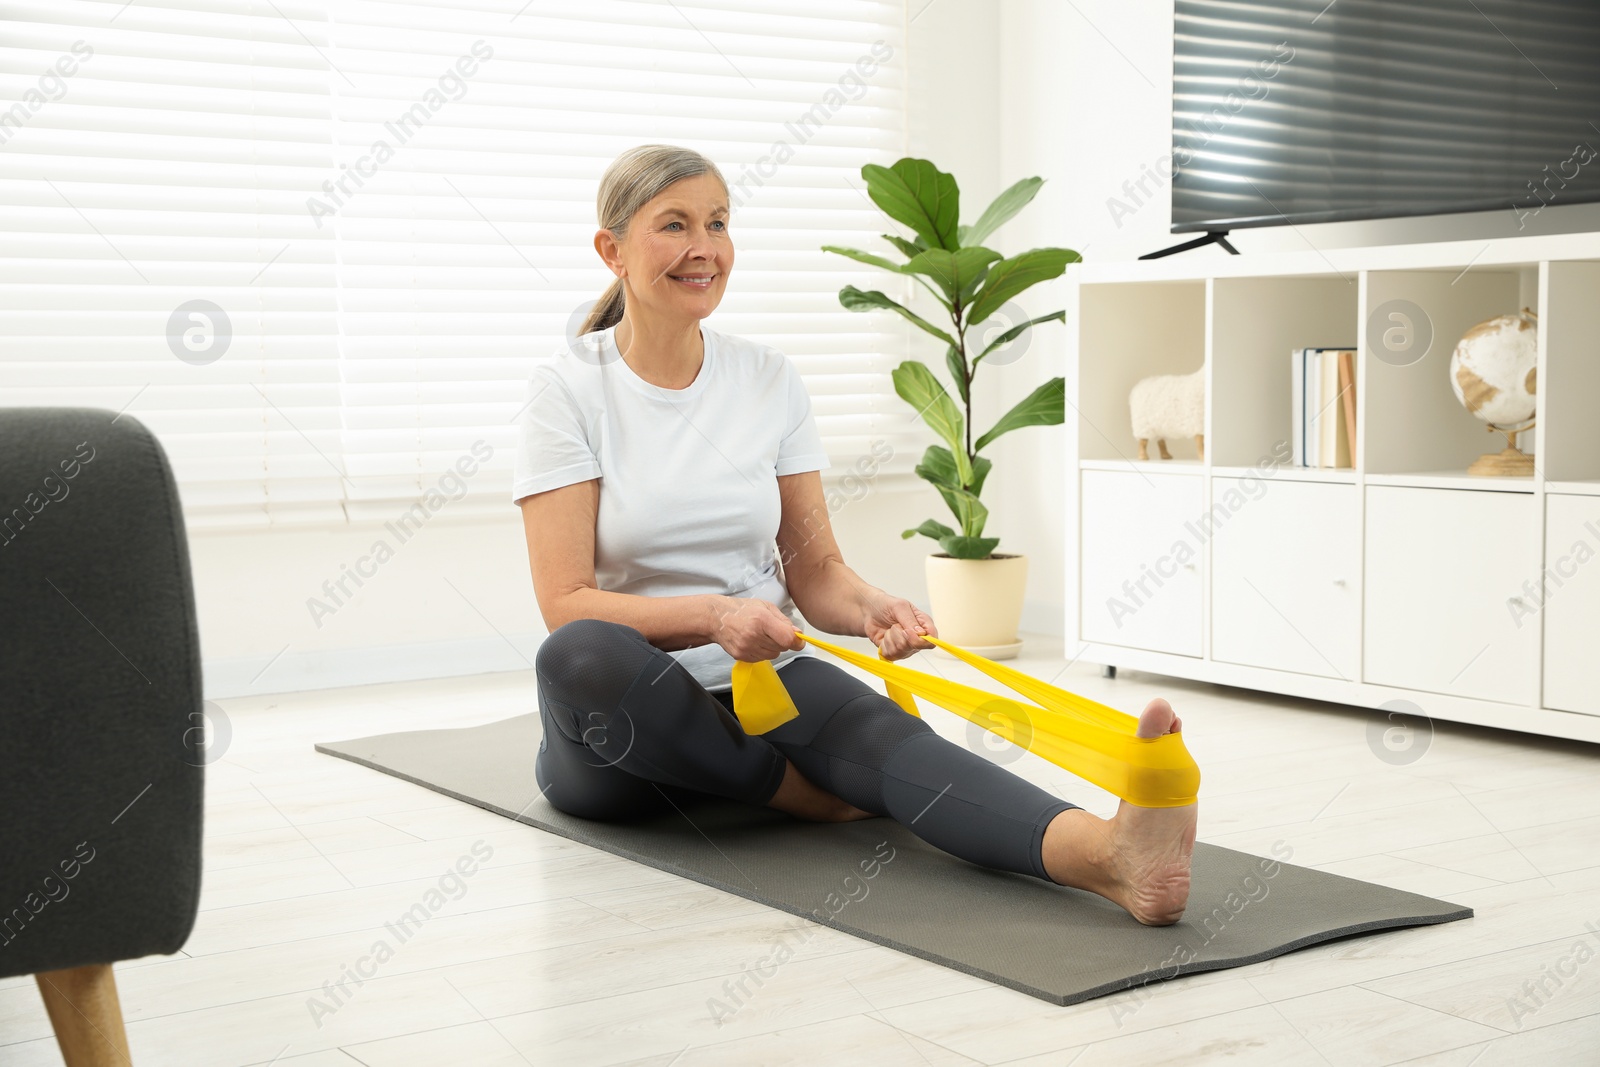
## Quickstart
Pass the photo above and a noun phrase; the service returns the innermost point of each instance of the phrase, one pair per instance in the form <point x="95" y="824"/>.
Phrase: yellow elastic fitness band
<point x="1095" y="742"/>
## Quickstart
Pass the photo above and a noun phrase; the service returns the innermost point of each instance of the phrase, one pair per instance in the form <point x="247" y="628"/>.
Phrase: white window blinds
<point x="318" y="248"/>
<point x="164" y="166"/>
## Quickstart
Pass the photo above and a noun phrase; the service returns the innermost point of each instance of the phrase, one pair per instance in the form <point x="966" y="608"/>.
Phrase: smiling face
<point x="678" y="254"/>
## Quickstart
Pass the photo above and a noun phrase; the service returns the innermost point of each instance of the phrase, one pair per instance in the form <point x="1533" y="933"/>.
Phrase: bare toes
<point x="1158" y="718"/>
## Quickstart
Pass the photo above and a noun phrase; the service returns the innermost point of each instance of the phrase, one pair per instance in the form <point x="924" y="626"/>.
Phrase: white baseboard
<point x="293" y="671"/>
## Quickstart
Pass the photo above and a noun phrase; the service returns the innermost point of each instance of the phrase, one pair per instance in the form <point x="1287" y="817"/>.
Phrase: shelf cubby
<point x="1121" y="341"/>
<point x="1569" y="378"/>
<point x="1255" y="324"/>
<point x="1402" y="577"/>
<point x="1409" y="420"/>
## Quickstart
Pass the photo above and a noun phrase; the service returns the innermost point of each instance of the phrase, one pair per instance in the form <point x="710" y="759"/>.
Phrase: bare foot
<point x="799" y="796"/>
<point x="1139" y="858"/>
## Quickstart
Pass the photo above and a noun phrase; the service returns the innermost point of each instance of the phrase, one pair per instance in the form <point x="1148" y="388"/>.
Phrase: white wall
<point x="455" y="599"/>
<point x="1078" y="94"/>
<point x="458" y="597"/>
<point x="1085" y="102"/>
<point x="1087" y="94"/>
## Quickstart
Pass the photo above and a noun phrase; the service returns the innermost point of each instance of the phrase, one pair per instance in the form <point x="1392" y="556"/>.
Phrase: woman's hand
<point x="751" y="629"/>
<point x="895" y="625"/>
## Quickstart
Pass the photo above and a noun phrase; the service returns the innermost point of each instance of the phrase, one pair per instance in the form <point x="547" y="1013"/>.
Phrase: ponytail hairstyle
<point x="632" y="180"/>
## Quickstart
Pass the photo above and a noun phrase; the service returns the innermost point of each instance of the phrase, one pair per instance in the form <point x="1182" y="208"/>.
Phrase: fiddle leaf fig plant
<point x="970" y="283"/>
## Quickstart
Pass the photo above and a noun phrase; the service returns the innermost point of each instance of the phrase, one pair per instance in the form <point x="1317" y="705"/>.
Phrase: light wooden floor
<point x="555" y="953"/>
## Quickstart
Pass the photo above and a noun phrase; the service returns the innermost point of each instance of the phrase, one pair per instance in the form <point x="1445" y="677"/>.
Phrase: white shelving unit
<point x="1476" y="599"/>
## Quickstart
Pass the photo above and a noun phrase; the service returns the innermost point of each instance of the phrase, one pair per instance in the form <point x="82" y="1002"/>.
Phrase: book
<point x="1333" y="442"/>
<point x="1347" y="389"/>
<point x="1322" y="406"/>
<point x="1297" y="405"/>
<point x="1313" y="406"/>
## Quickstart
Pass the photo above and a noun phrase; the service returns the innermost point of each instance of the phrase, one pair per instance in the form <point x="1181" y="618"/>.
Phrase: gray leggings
<point x="626" y="728"/>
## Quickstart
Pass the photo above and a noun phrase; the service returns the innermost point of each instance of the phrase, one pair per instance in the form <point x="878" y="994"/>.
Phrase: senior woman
<point x="659" y="465"/>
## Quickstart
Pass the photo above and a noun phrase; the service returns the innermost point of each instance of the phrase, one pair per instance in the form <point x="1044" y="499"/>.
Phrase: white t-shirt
<point x="688" y="477"/>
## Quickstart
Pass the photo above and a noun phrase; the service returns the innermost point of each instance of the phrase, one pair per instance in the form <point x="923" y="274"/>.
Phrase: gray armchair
<point x="101" y="727"/>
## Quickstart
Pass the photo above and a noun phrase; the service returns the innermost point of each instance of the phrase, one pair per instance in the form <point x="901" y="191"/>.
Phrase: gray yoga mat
<point x="1057" y="943"/>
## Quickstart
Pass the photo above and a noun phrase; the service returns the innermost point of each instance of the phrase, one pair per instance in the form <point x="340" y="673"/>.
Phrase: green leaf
<point x="1011" y="276"/>
<point x="1000" y="212"/>
<point x="886" y="264"/>
<point x="973" y="282"/>
<point x="857" y="300"/>
<point x="1045" y="406"/>
<point x="907" y="248"/>
<point x="939" y="467"/>
<point x="1015" y="332"/>
<point x="915" y="192"/>
<point x="958" y="370"/>
<point x="980" y="471"/>
<point x="967" y="509"/>
<point x="867" y="257"/>
<point x="917" y="386"/>
<point x="969" y="547"/>
<point x="954" y="271"/>
<point x="929" y="528"/>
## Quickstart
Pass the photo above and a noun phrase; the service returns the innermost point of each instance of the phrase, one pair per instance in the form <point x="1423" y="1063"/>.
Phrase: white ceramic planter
<point x="976" y="603"/>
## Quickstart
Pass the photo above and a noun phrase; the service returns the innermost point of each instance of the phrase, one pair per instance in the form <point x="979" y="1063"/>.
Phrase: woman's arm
<point x="828" y="593"/>
<point x="559" y="525"/>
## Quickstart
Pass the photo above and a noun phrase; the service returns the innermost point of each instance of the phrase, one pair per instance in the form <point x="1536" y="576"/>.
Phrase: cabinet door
<point x="1141" y="560"/>
<point x="1285" y="588"/>
<point x="1571" y="598"/>
<point x="1444" y="579"/>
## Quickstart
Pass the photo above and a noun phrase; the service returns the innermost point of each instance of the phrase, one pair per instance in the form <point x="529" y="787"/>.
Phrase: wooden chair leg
<point x="83" y="1007"/>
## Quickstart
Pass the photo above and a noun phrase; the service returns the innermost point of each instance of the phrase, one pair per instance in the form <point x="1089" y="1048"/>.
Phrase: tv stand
<point x="1240" y="568"/>
<point x="1211" y="237"/>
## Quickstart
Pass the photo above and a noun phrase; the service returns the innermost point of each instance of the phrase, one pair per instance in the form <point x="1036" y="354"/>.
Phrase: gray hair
<point x="632" y="180"/>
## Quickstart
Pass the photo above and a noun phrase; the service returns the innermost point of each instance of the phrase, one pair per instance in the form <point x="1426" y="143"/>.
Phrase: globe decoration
<point x="1492" y="373"/>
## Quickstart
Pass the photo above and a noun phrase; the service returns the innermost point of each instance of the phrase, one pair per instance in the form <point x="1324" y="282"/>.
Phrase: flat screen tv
<point x="1301" y="111"/>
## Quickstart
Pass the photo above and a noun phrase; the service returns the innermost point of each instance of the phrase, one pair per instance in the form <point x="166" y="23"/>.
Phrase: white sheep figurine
<point x="1169" y="405"/>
